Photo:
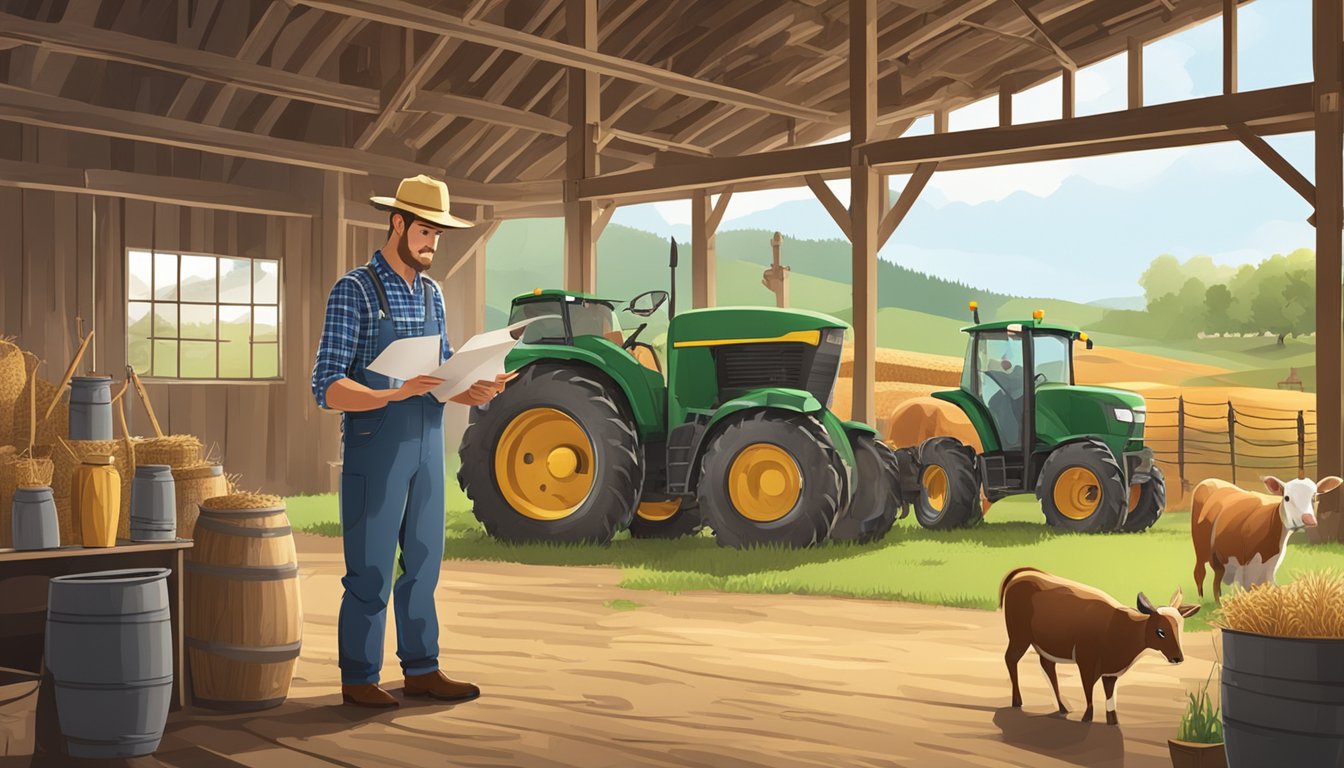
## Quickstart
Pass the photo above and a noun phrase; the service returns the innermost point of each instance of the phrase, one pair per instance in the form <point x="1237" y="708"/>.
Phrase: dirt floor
<point x="571" y="677"/>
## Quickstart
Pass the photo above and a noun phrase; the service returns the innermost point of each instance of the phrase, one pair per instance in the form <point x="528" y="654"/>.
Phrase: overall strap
<point x="429" y="301"/>
<point x="380" y="290"/>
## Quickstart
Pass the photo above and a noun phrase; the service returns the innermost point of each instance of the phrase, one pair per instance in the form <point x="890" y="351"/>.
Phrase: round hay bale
<point x="176" y="451"/>
<point x="13" y="373"/>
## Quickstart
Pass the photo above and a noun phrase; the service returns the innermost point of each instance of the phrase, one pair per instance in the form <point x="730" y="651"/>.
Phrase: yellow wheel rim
<point x="658" y="511"/>
<point x="544" y="464"/>
<point x="1135" y="493"/>
<point x="935" y="485"/>
<point x="764" y="482"/>
<point x="1077" y="493"/>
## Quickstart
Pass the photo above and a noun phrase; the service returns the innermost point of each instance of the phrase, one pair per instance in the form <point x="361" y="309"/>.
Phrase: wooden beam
<point x="602" y="218"/>
<point x="1276" y="162"/>
<point x="864" y="206"/>
<point x="720" y="208"/>
<point x="106" y="45"/>
<point x="428" y="64"/>
<point x="1060" y="53"/>
<point x="1195" y="121"/>
<point x="1134" y="80"/>
<point x="400" y="13"/>
<point x="839" y="213"/>
<point x="460" y="245"/>
<point x="191" y="193"/>
<point x="1327" y="54"/>
<point x="1005" y="105"/>
<point x="30" y="108"/>
<point x="926" y="28"/>
<point x="704" y="265"/>
<point x="1229" y="46"/>
<point x="486" y="111"/>
<point x="893" y="218"/>
<point x="580" y="267"/>
<point x="644" y="139"/>
<point x="1068" y="104"/>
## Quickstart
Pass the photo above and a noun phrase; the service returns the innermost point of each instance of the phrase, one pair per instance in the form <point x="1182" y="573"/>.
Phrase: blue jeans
<point x="391" y="494"/>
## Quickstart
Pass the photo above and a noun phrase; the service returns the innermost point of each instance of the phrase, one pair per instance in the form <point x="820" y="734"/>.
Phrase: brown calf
<point x="1242" y="534"/>
<point x="1068" y="622"/>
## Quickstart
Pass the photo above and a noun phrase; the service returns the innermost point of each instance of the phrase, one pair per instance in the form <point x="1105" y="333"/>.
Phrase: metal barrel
<point x="153" y="504"/>
<point x="91" y="408"/>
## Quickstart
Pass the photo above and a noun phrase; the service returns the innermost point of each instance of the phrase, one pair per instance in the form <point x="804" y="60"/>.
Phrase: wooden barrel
<point x="244" y="622"/>
<point x="193" y="486"/>
<point x="110" y="652"/>
<point x="1283" y="700"/>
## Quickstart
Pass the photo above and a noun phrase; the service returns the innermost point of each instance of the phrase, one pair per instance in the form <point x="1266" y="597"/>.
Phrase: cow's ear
<point x="1328" y="484"/>
<point x="1188" y="610"/>
<point x="1274" y="484"/>
<point x="1145" y="606"/>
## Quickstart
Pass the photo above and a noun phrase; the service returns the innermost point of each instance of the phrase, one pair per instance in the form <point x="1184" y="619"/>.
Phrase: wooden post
<point x="1005" y="105"/>
<point x="1135" y="73"/>
<point x="1180" y="441"/>
<point x="464" y="308"/>
<point x="1232" y="439"/>
<point x="865" y="197"/>
<point x="580" y="272"/>
<point x="1301" y="444"/>
<point x="703" y="268"/>
<point x="1327" y="30"/>
<point x="1066" y="80"/>
<point x="1229" y="46"/>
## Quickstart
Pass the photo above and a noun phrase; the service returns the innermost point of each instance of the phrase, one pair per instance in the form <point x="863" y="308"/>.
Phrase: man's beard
<point x="407" y="258"/>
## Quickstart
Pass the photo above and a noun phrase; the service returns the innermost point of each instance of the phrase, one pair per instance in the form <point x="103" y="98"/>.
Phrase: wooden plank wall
<point x="65" y="256"/>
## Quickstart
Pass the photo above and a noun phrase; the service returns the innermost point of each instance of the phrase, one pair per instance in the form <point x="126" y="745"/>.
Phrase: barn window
<point x="194" y="316"/>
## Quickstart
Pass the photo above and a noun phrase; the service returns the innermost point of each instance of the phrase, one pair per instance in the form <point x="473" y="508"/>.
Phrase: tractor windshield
<point x="1052" y="358"/>
<point x="551" y="328"/>
<point x="594" y="318"/>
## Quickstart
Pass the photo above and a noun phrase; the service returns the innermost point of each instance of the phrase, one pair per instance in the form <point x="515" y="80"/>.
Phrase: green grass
<point x="958" y="568"/>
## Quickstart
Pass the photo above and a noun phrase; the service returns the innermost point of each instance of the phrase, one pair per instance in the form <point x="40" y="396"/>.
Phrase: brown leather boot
<point x="368" y="695"/>
<point x="436" y="685"/>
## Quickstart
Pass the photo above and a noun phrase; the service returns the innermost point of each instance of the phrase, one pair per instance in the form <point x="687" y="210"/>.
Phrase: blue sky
<point x="1086" y="229"/>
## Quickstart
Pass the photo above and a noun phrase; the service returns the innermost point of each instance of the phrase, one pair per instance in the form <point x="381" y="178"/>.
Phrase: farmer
<point x="393" y="474"/>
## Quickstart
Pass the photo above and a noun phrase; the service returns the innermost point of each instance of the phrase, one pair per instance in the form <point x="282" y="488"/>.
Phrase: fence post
<point x="1180" y="441"/>
<point x="1301" y="445"/>
<point x="1232" y="439"/>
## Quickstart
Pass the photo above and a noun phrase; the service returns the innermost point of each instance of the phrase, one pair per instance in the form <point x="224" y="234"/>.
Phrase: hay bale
<point x="1311" y="606"/>
<point x="13" y="373"/>
<point x="176" y="451"/>
<point x="243" y="501"/>
<point x="47" y="431"/>
<point x="193" y="486"/>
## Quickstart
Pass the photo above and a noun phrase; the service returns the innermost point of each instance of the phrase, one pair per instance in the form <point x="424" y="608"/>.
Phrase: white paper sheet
<point x="480" y="358"/>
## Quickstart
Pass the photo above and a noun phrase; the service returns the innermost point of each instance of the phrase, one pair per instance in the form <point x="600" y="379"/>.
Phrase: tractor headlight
<point x="1140" y="414"/>
<point x="1124" y="414"/>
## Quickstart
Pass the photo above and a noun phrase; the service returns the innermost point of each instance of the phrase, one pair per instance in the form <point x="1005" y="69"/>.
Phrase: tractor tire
<point x="1146" y="502"/>
<point x="554" y="426"/>
<point x="771" y="478"/>
<point x="875" y="501"/>
<point x="653" y="521"/>
<point x="1082" y="489"/>
<point x="949" y="489"/>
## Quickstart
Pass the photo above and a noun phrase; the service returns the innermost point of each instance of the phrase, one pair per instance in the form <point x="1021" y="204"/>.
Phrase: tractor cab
<point x="565" y="316"/>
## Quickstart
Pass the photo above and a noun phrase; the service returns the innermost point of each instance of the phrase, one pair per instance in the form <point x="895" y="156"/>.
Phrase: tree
<point x="1218" y="309"/>
<point x="1164" y="276"/>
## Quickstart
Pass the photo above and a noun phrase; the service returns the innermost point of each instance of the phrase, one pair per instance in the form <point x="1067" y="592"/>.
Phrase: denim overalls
<point x="391" y="494"/>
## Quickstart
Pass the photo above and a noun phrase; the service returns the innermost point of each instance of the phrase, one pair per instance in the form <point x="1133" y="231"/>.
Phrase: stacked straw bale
<point x="13" y="373"/>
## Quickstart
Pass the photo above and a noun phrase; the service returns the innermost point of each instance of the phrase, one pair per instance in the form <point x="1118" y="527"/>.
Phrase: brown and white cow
<point x="1243" y="534"/>
<point x="1067" y="622"/>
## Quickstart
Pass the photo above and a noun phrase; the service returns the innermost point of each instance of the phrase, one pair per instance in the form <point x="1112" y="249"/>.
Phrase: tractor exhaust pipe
<point x="672" y="293"/>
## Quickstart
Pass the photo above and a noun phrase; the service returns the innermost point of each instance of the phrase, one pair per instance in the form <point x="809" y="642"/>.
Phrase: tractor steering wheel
<point x="630" y="340"/>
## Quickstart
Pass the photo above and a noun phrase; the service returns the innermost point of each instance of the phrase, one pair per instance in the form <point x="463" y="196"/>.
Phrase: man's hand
<point x="417" y="386"/>
<point x="483" y="391"/>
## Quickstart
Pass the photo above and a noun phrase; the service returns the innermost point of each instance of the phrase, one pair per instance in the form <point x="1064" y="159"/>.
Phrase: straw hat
<point x="426" y="198"/>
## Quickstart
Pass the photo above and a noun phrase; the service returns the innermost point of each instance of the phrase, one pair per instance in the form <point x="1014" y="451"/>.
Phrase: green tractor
<point x="729" y="428"/>
<point x="1082" y="454"/>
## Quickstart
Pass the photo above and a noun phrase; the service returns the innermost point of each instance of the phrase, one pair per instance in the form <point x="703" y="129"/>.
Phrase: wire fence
<point x="1200" y="438"/>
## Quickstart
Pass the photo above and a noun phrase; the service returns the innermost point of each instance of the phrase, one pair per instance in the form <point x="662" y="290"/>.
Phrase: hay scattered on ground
<point x="1311" y="606"/>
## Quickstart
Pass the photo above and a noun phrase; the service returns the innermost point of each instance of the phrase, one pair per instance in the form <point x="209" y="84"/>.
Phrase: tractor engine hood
<point x="1064" y="410"/>
<point x="745" y="325"/>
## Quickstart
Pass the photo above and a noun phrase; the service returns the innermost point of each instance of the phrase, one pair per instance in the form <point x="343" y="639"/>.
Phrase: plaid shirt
<point x="350" y="332"/>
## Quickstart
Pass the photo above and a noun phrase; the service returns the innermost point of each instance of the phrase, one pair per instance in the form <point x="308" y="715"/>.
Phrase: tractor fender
<point x="858" y="427"/>
<point x="1080" y="439"/>
<point x="796" y="400"/>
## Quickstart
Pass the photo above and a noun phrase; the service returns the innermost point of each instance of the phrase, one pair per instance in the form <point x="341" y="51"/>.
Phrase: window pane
<point x="265" y="282"/>
<point x="198" y="278"/>
<point x="264" y="323"/>
<point x="165" y="320"/>
<point x="138" y="327"/>
<point x="198" y="322"/>
<point x="235" y="281"/>
<point x="265" y="361"/>
<point x="235" y="328"/>
<point x="165" y="276"/>
<point x="198" y="360"/>
<point x="165" y="358"/>
<point x="139" y="268"/>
